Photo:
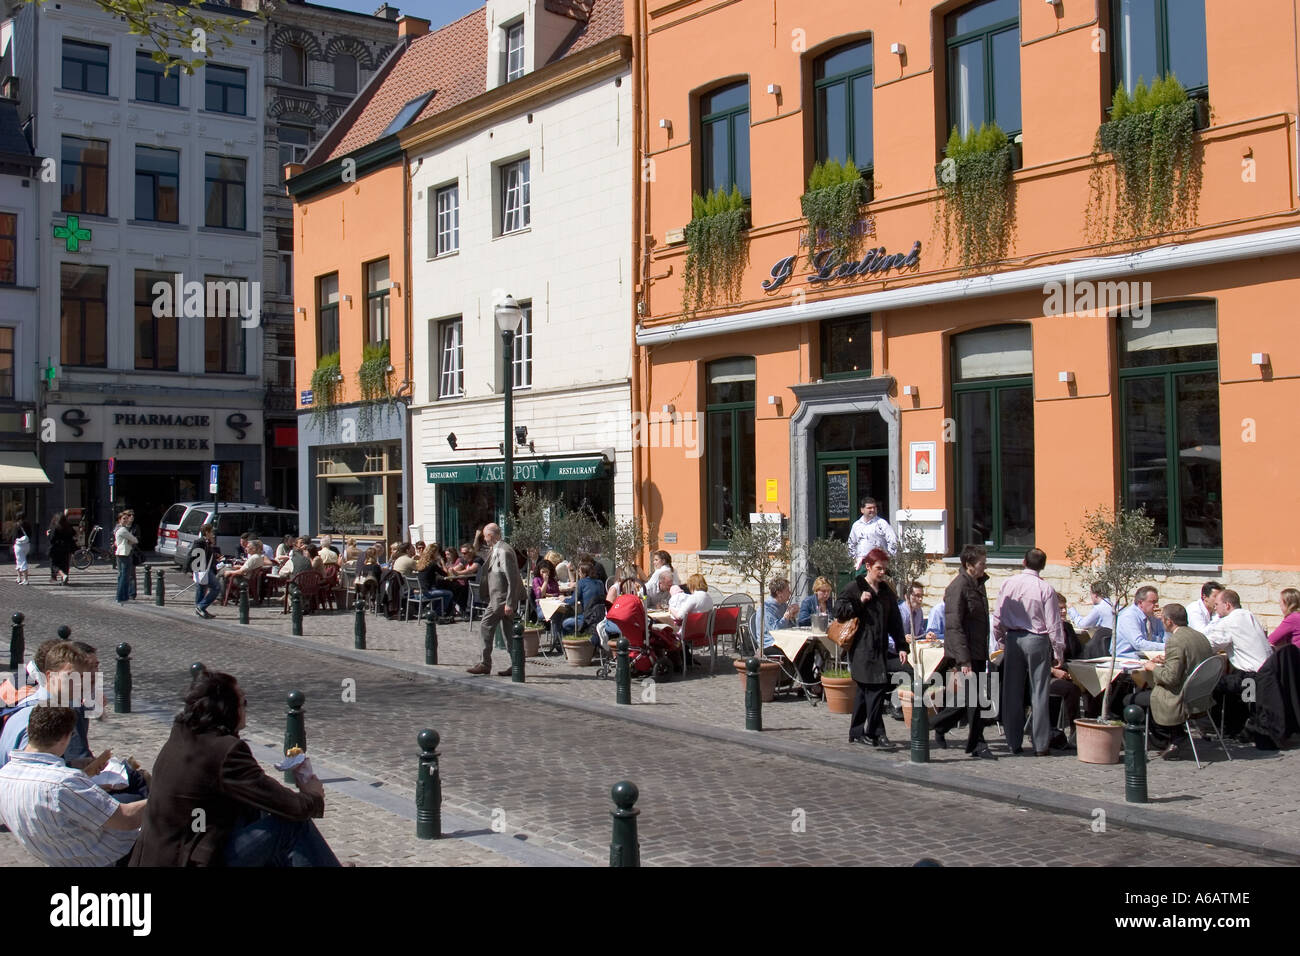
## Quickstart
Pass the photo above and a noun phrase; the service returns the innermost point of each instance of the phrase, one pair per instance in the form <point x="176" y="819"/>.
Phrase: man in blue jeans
<point x="203" y="555"/>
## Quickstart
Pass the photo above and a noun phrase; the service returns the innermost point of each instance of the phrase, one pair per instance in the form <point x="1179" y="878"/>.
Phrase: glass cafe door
<point x="842" y="480"/>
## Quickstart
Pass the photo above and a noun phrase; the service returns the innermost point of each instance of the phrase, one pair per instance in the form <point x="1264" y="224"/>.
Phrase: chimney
<point x="387" y="12"/>
<point x="9" y="88"/>
<point x="291" y="170"/>
<point x="412" y="27"/>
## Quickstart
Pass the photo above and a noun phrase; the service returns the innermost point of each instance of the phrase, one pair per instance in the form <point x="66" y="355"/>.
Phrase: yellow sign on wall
<point x="771" y="489"/>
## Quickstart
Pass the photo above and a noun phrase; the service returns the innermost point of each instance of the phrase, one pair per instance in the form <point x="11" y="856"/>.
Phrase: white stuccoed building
<point x="529" y="193"/>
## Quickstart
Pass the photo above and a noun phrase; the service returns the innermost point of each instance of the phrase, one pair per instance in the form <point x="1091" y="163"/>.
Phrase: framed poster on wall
<point x="921" y="464"/>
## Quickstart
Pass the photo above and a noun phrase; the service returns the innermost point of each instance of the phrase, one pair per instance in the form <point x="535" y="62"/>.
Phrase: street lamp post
<point x="509" y="318"/>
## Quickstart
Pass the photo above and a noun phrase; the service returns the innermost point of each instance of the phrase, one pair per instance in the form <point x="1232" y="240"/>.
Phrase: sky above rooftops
<point x="439" y="13"/>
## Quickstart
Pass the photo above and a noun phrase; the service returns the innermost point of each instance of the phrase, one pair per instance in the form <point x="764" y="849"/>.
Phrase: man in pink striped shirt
<point x="1027" y="623"/>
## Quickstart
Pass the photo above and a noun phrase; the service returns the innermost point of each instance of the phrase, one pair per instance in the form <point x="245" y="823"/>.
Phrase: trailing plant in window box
<point x="326" y="381"/>
<point x="1151" y="135"/>
<point x="716" y="253"/>
<point x="835" y="193"/>
<point x="373" y="379"/>
<point x="978" y="208"/>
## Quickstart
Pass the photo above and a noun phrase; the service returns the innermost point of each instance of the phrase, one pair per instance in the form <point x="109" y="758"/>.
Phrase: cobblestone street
<point x="541" y="762"/>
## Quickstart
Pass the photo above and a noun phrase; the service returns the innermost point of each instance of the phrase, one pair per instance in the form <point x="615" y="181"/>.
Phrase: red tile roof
<point x="452" y="62"/>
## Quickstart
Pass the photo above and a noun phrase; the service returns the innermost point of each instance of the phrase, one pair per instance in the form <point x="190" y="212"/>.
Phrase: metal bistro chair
<point x="1198" y="697"/>
<point x="742" y="635"/>
<point x="413" y="594"/>
<point x="474" y="603"/>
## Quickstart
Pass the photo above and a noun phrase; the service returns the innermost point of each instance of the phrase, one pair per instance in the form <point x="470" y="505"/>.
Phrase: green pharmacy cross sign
<point x="73" y="233"/>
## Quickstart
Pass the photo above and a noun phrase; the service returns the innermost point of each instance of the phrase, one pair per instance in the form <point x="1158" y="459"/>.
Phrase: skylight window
<point x="407" y="113"/>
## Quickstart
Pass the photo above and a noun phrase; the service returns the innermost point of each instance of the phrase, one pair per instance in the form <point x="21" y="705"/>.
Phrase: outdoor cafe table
<point x="931" y="656"/>
<point x="1093" y="675"/>
<point x="791" y="640"/>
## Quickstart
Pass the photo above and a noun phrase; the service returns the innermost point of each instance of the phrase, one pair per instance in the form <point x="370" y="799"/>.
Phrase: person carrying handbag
<point x="202" y="561"/>
<point x="872" y="603"/>
<point x="124" y="547"/>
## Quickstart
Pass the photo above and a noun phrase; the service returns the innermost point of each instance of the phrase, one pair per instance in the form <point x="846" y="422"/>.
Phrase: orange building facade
<point x="988" y="401"/>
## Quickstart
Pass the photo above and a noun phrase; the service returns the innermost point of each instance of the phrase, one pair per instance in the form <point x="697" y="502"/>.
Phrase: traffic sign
<point x="212" y="479"/>
<point x="112" y="463"/>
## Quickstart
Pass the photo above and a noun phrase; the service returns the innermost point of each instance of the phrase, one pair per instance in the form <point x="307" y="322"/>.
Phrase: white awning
<point x="21" y="468"/>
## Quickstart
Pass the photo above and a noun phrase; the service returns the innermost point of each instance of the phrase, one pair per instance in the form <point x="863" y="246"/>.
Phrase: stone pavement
<point x="547" y="769"/>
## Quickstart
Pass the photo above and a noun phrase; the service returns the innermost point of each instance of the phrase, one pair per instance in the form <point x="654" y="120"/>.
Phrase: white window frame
<point x="513" y="62"/>
<point x="451" y="358"/>
<point x="521" y="362"/>
<point x="516" y="196"/>
<point x="446" y="220"/>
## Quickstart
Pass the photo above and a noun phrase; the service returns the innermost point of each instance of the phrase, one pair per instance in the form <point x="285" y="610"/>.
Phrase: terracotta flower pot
<point x="532" y="641"/>
<point x="578" y="653"/>
<point x="768" y="671"/>
<point x="905" y="704"/>
<point x="1098" y="742"/>
<point x="839" y="693"/>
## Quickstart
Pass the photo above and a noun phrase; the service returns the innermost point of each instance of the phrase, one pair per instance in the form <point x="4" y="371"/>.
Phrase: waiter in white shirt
<point x="1200" y="614"/>
<point x="869" y="532"/>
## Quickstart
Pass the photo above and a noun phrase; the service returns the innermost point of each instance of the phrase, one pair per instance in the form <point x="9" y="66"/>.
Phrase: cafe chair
<point x="1198" y="697"/>
<point x="475" y="605"/>
<point x="697" y="633"/>
<point x="413" y="594"/>
<point x="309" y="588"/>
<point x="740" y="633"/>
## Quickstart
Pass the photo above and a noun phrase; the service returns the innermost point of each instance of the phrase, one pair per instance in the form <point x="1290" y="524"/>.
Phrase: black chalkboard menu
<point x="838" y="503"/>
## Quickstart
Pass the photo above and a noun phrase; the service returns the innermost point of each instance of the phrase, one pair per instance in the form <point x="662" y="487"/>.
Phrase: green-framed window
<point x="1153" y="38"/>
<point x="1169" y="412"/>
<point x="846" y="347"/>
<point x="843" y="106"/>
<point x="993" y="404"/>
<point x="729" y="445"/>
<point x="724" y="139"/>
<point x="327" y="314"/>
<point x="377" y="305"/>
<point x="983" y="42"/>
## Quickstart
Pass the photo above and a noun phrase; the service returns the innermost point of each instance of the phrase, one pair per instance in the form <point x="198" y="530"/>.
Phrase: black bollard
<point x="17" y="645"/>
<point x="295" y="727"/>
<point x="122" y="680"/>
<point x="148" y="581"/>
<point x="624" y="850"/>
<point x="243" y="600"/>
<point x="159" y="597"/>
<point x="622" y="674"/>
<point x="517" y="650"/>
<point x="920" y="721"/>
<point x="196" y="671"/>
<point x="64" y="632"/>
<point x="359" y="628"/>
<point x="1135" y="755"/>
<point x="753" y="696"/>
<point x="295" y="610"/>
<point x="428" y="789"/>
<point x="431" y="641"/>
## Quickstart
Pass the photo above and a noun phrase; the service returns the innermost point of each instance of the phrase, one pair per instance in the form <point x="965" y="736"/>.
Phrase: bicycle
<point x="87" y="555"/>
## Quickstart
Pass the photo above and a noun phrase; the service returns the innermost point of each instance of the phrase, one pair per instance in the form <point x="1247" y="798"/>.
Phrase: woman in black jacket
<point x="873" y="602"/>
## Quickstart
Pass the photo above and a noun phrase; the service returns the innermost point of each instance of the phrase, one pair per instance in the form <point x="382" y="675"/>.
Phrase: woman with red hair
<point x="871" y="600"/>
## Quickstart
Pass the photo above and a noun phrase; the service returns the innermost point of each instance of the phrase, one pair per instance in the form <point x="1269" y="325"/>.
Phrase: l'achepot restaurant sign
<point x="545" y="469"/>
<point x="827" y="266"/>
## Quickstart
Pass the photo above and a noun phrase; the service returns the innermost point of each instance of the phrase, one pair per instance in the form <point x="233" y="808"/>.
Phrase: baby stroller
<point x="649" y="654"/>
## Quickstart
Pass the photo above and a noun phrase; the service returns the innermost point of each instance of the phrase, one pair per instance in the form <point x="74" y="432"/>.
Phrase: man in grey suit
<point x="505" y="590"/>
<point x="1185" y="650"/>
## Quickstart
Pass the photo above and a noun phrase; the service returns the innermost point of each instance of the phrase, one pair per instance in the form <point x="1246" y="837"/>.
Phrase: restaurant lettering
<point x="827" y="265"/>
<point x="175" y="443"/>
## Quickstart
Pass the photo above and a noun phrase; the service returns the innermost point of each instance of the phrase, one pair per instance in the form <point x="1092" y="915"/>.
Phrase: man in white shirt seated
<point x="1102" y="613"/>
<point x="327" y="553"/>
<point x="1201" y="613"/>
<point x="1240" y="633"/>
<point x="657" y="598"/>
<point x="870" y="532"/>
<point x="56" y="813"/>
<point x="256" y="557"/>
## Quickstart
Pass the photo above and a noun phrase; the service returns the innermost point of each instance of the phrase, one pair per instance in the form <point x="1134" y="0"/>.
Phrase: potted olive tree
<point x="1118" y="546"/>
<point x="756" y="550"/>
<point x="527" y="530"/>
<point x="575" y="531"/>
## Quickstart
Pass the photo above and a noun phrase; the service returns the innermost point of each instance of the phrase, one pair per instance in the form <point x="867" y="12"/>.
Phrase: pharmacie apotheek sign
<point x="828" y="266"/>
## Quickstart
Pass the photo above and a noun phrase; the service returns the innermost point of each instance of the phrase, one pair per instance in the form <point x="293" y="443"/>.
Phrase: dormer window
<point x="514" y="51"/>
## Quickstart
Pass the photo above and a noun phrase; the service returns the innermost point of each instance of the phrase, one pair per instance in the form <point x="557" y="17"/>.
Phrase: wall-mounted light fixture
<point x="347" y="298"/>
<point x="666" y="124"/>
<point x="774" y="89"/>
<point x="302" y="310"/>
<point x="897" y="49"/>
<point x="1259" y="358"/>
<point x="1065" y="377"/>
<point x="396" y="287"/>
<point x="451" y="440"/>
<point x="776" y="401"/>
<point x="909" y="390"/>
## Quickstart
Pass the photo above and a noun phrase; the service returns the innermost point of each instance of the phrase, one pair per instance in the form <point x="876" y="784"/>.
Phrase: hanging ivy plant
<point x="373" y="380"/>
<point x="835" y="193"/>
<point x="1151" y="135"/>
<point x="326" y="381"/>
<point x="977" y="212"/>
<point x="716" y="253"/>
